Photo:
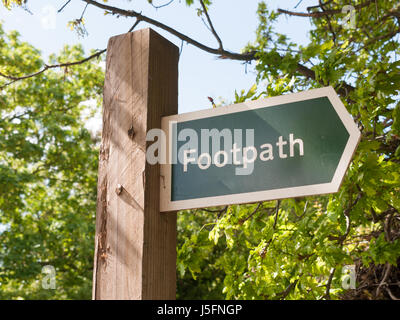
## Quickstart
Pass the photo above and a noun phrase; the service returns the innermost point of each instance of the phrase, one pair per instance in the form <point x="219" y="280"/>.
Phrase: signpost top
<point x="287" y="146"/>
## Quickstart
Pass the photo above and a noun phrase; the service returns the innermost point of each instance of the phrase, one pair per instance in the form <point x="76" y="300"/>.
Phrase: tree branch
<point x="329" y="283"/>
<point x="47" y="67"/>
<point x="328" y="20"/>
<point x="264" y="249"/>
<point x="130" y="13"/>
<point x="62" y="8"/>
<point x="319" y="5"/>
<point x="241" y="221"/>
<point x="223" y="209"/>
<point x="212" y="26"/>
<point x="134" y="25"/>
<point x="387" y="269"/>
<point x="278" y="204"/>
<point x="346" y="213"/>
<point x="344" y="89"/>
<point x="290" y="287"/>
<point x="298" y="218"/>
<point x="320" y="14"/>
<point x="391" y="294"/>
<point x="83" y="12"/>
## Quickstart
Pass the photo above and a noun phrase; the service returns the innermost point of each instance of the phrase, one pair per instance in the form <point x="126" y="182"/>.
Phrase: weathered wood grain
<point x="135" y="245"/>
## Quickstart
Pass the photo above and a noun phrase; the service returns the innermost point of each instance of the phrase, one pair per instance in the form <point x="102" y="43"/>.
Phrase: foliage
<point x="199" y="271"/>
<point x="48" y="173"/>
<point x="9" y="3"/>
<point x="299" y="248"/>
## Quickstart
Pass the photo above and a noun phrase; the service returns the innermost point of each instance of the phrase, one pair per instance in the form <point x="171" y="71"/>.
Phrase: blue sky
<point x="200" y="74"/>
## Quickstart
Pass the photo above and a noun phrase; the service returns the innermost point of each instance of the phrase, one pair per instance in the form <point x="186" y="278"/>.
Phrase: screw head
<point x="119" y="189"/>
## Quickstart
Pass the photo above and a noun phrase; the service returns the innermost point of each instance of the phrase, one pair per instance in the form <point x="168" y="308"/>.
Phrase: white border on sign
<point x="165" y="169"/>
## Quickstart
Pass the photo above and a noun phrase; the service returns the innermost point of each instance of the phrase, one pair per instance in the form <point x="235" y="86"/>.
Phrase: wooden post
<point x="135" y="244"/>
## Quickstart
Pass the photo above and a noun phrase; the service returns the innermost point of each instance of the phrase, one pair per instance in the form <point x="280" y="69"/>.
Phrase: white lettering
<point x="292" y="142"/>
<point x="280" y="145"/>
<point x="246" y="159"/>
<point x="186" y="159"/>
<point x="266" y="154"/>
<point x="217" y="156"/>
<point x="207" y="164"/>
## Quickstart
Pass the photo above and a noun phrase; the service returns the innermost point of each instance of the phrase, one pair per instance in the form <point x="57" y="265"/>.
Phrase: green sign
<point x="281" y="147"/>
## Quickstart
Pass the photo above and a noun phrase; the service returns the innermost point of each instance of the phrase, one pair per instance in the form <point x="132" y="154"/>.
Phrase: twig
<point x="264" y="249"/>
<point x="298" y="3"/>
<point x="62" y="8"/>
<point x="344" y="89"/>
<point x="212" y="26"/>
<point x="161" y="5"/>
<point x="320" y="14"/>
<point x="241" y="221"/>
<point x="276" y="214"/>
<point x="318" y="6"/>
<point x="47" y="67"/>
<point x="391" y="294"/>
<point x="388" y="267"/>
<point x="298" y="218"/>
<point x="385" y="36"/>
<point x="217" y="210"/>
<point x="322" y="5"/>
<point x="83" y="12"/>
<point x="387" y="227"/>
<point x="289" y="288"/>
<point x="346" y="213"/>
<point x="131" y="13"/>
<point x="134" y="25"/>
<point x="329" y="283"/>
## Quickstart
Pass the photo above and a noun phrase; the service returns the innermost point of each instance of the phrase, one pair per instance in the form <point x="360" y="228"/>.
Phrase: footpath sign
<point x="281" y="147"/>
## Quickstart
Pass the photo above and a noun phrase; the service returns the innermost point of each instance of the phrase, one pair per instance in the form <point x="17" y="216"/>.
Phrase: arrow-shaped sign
<point x="281" y="147"/>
